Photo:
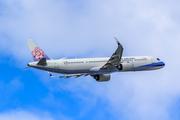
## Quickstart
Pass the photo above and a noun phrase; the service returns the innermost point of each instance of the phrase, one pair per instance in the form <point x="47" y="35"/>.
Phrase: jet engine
<point x="102" y="77"/>
<point x="125" y="66"/>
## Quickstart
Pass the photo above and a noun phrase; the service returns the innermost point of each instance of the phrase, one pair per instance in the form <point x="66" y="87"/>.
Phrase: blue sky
<point x="82" y="29"/>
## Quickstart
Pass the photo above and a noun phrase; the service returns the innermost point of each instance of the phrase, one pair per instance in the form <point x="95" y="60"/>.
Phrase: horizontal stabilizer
<point x="42" y="62"/>
<point x="26" y="68"/>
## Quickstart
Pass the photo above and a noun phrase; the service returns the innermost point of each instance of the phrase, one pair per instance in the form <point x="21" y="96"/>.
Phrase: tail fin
<point x="36" y="52"/>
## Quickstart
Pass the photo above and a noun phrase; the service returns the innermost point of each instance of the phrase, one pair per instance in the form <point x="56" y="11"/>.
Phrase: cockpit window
<point x="158" y="59"/>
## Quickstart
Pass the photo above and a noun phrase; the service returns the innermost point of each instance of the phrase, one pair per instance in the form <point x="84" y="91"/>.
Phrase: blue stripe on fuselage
<point x="149" y="66"/>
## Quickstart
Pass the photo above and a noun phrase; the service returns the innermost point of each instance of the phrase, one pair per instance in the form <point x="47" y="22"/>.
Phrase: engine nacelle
<point x="125" y="66"/>
<point x="102" y="77"/>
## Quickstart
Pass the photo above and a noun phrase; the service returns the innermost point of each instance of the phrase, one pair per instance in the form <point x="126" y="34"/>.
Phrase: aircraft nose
<point x="162" y="64"/>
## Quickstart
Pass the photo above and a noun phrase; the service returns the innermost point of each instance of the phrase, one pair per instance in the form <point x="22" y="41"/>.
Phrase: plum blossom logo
<point x="37" y="53"/>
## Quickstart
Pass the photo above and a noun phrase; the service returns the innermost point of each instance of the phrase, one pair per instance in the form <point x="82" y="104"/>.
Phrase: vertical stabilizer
<point x="36" y="52"/>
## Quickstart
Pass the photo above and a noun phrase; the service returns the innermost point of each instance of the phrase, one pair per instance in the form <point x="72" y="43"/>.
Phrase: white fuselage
<point x="93" y="66"/>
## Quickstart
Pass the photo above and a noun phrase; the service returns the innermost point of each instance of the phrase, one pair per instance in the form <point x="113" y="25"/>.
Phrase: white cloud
<point x="141" y="95"/>
<point x="59" y="25"/>
<point x="33" y="114"/>
<point x="24" y="115"/>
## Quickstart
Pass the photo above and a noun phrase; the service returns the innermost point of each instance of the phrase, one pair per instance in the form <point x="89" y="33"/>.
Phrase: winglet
<point x="50" y="74"/>
<point x="117" y="41"/>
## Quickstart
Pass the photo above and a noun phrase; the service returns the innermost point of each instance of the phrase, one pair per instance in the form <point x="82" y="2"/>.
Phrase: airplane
<point x="99" y="68"/>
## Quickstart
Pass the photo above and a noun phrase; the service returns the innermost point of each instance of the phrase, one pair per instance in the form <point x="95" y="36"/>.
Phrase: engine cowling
<point x="125" y="66"/>
<point x="102" y="77"/>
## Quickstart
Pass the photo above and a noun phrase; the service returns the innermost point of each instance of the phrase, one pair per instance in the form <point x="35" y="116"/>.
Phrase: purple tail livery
<point x="36" y="52"/>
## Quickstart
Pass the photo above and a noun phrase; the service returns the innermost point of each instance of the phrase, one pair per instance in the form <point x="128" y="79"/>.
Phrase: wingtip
<point x="29" y="40"/>
<point x="50" y="74"/>
<point x="117" y="41"/>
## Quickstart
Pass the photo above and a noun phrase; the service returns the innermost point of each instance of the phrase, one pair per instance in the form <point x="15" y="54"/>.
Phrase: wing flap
<point x="68" y="76"/>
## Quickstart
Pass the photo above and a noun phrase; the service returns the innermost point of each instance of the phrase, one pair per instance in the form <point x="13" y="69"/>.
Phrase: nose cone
<point x="161" y="64"/>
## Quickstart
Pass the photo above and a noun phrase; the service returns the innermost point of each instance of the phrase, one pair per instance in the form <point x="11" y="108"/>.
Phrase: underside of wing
<point x="115" y="58"/>
<point x="71" y="75"/>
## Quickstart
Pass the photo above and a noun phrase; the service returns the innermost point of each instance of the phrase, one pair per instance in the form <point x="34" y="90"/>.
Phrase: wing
<point x="115" y="58"/>
<point x="68" y="76"/>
